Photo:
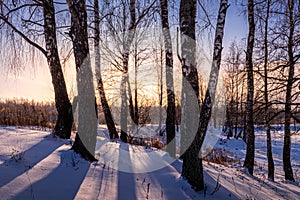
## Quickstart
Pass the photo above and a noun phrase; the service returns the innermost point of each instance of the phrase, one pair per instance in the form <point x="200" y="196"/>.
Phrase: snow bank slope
<point x="33" y="165"/>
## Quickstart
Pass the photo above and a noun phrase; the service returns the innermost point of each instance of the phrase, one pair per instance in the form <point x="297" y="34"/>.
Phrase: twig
<point x="218" y="185"/>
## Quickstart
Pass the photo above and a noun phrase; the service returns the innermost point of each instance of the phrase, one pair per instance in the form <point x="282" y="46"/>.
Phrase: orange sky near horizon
<point x="28" y="83"/>
<point x="32" y="83"/>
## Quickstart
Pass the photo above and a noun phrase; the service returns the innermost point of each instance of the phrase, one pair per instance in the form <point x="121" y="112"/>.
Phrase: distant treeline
<point x="23" y="112"/>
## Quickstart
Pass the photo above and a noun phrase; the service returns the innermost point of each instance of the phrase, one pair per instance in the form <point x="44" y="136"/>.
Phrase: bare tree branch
<point x="23" y="35"/>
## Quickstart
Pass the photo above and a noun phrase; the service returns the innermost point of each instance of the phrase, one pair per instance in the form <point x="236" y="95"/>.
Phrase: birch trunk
<point x="190" y="88"/>
<point x="105" y="107"/>
<point x="170" y="121"/>
<point x="266" y="97"/>
<point x="192" y="168"/>
<point x="288" y="171"/>
<point x="63" y="105"/>
<point x="249" y="160"/>
<point x="160" y="95"/>
<point x="126" y="48"/>
<point x="85" y="140"/>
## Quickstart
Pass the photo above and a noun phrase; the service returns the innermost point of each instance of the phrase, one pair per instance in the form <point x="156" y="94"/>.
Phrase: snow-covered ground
<point x="238" y="147"/>
<point x="33" y="165"/>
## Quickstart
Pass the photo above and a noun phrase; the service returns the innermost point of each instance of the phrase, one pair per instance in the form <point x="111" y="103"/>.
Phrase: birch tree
<point x="170" y="121"/>
<point x="286" y="156"/>
<point x="266" y="95"/>
<point x="190" y="88"/>
<point x="125" y="59"/>
<point x="64" y="108"/>
<point x="249" y="160"/>
<point x="233" y="80"/>
<point x="105" y="107"/>
<point x="122" y="29"/>
<point x="85" y="140"/>
<point x="192" y="168"/>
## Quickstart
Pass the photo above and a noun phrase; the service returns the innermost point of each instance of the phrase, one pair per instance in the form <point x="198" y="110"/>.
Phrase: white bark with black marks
<point x="286" y="156"/>
<point x="249" y="160"/>
<point x="85" y="140"/>
<point x="192" y="168"/>
<point x="170" y="121"/>
<point x="64" y="108"/>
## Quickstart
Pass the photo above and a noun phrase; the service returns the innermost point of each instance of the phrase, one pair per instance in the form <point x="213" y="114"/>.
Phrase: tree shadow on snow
<point x="11" y="168"/>
<point x="62" y="183"/>
<point x="172" y="174"/>
<point x="126" y="180"/>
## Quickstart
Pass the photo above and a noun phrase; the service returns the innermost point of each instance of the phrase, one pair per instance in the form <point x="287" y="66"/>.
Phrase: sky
<point x="29" y="83"/>
<point x="35" y="83"/>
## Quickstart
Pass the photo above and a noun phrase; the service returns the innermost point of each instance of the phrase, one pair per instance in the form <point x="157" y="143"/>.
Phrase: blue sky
<point x="236" y="25"/>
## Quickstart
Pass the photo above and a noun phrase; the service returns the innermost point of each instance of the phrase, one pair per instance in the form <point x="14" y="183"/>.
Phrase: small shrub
<point x="220" y="156"/>
<point x="17" y="154"/>
<point x="148" y="142"/>
<point x="158" y="144"/>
